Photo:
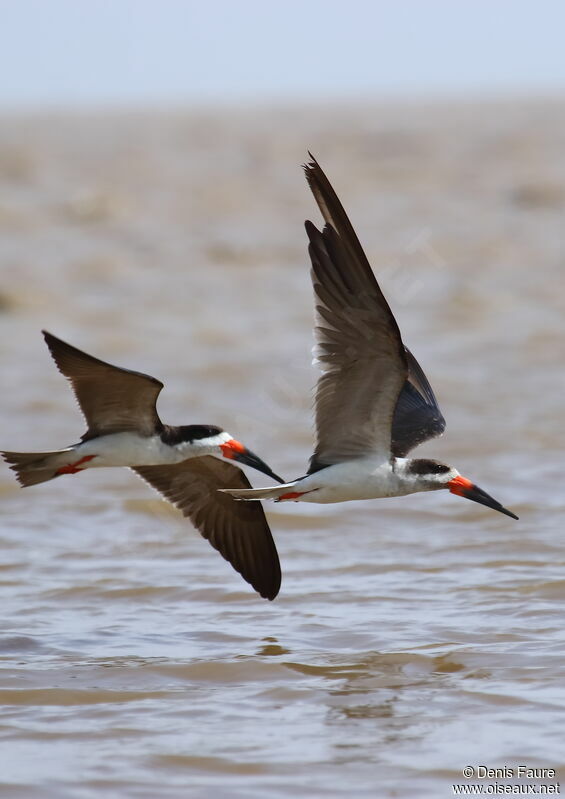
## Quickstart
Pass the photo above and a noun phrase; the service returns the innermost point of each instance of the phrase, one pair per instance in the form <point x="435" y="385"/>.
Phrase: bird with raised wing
<point x="373" y="402"/>
<point x="186" y="464"/>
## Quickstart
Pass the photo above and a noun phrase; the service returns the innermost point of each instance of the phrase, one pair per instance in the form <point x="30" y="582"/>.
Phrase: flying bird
<point x="373" y="402"/>
<point x="186" y="464"/>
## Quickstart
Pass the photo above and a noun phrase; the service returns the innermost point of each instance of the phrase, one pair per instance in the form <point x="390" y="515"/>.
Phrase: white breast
<point x="130" y="449"/>
<point x="366" y="478"/>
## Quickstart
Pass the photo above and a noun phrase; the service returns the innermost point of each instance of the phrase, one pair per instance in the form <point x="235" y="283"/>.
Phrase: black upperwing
<point x="417" y="416"/>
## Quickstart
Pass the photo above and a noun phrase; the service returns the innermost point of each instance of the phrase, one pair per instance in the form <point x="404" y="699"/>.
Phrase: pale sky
<point x="149" y="52"/>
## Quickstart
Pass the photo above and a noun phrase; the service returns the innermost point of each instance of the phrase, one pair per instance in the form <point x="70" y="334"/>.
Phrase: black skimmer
<point x="373" y="402"/>
<point x="186" y="464"/>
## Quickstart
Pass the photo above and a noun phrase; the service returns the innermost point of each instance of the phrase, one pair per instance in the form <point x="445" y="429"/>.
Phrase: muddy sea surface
<point x="412" y="637"/>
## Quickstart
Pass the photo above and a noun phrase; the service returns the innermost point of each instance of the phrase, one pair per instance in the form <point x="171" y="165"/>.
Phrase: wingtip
<point x="53" y="343"/>
<point x="310" y="166"/>
<point x="52" y="340"/>
<point x="267" y="585"/>
<point x="268" y="590"/>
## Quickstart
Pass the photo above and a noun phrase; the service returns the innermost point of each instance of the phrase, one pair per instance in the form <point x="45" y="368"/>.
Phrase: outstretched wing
<point x="113" y="400"/>
<point x="417" y="416"/>
<point x="238" y="530"/>
<point x="358" y="343"/>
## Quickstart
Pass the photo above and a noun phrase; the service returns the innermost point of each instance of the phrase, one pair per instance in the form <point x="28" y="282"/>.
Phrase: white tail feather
<point x="259" y="493"/>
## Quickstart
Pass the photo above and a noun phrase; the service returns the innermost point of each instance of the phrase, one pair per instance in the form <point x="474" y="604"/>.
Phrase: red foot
<point x="72" y="468"/>
<point x="292" y="495"/>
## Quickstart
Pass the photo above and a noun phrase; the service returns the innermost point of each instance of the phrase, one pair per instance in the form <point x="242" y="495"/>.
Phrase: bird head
<point x="235" y="451"/>
<point x="430" y="475"/>
<point x="205" y="439"/>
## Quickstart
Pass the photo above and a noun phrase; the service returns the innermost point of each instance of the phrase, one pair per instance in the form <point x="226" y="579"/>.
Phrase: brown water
<point x="412" y="637"/>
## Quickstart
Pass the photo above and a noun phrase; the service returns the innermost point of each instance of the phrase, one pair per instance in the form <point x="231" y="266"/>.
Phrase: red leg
<point x="72" y="468"/>
<point x="291" y="495"/>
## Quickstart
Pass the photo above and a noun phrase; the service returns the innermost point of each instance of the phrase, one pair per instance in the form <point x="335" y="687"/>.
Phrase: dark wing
<point x="113" y="400"/>
<point x="358" y="343"/>
<point x="417" y="416"/>
<point x="238" y="530"/>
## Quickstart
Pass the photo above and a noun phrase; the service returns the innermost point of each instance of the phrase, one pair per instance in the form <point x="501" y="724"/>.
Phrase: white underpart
<point x="359" y="479"/>
<point x="363" y="478"/>
<point x="367" y="478"/>
<point x="131" y="449"/>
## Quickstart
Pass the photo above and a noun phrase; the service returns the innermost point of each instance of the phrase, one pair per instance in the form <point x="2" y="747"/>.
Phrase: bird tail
<point x="276" y="492"/>
<point x="37" y="467"/>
